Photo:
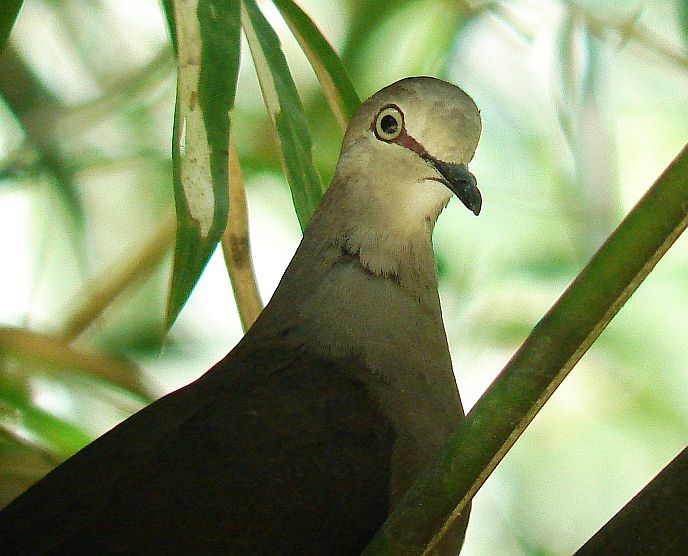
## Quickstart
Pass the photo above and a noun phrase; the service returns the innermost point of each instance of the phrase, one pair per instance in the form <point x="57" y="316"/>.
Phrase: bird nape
<point x="305" y="436"/>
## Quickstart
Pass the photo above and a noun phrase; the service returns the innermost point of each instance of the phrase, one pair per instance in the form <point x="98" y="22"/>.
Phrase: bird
<point x="307" y="434"/>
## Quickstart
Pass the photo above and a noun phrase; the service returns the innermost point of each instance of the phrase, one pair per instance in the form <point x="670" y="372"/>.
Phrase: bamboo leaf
<point x="207" y="39"/>
<point x="328" y="68"/>
<point x="9" y="9"/>
<point x="237" y="249"/>
<point x="18" y="412"/>
<point x="168" y="11"/>
<point x="63" y="438"/>
<point x="49" y="351"/>
<point x="683" y="19"/>
<point x="556" y="344"/>
<point x="286" y="111"/>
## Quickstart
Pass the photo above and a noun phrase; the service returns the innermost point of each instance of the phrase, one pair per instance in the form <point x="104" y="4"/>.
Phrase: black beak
<point x="462" y="183"/>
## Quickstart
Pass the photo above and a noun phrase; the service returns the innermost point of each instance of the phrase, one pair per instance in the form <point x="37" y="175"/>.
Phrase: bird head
<point x="407" y="148"/>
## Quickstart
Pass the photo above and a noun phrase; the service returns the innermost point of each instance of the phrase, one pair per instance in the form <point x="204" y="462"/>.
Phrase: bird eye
<point x="389" y="123"/>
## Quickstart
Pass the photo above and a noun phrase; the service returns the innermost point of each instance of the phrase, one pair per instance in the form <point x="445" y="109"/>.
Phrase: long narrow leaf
<point x="99" y="293"/>
<point x="237" y="248"/>
<point x="18" y="412"/>
<point x="556" y="344"/>
<point x="9" y="9"/>
<point x="207" y="40"/>
<point x="286" y="111"/>
<point x="49" y="351"/>
<point x="63" y="438"/>
<point x="328" y="68"/>
<point x="682" y="12"/>
<point x="168" y="11"/>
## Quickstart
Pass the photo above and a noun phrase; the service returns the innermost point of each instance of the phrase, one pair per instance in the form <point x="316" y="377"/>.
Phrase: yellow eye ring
<point x="389" y="123"/>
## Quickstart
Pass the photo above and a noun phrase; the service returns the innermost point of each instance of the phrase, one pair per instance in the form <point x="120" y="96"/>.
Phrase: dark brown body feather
<point x="290" y="460"/>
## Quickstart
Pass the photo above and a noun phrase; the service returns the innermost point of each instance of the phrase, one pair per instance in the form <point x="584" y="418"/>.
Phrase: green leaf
<point x="683" y="19"/>
<point x="328" y="68"/>
<point x="208" y="42"/>
<point x="286" y="111"/>
<point x="168" y="10"/>
<point x="366" y="19"/>
<point x="18" y="410"/>
<point x="8" y="14"/>
<point x="556" y="344"/>
<point x="63" y="438"/>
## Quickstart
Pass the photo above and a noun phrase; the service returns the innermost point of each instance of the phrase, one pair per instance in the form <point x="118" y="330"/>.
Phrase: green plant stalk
<point x="329" y="70"/>
<point x="237" y="247"/>
<point x="168" y="11"/>
<point x="101" y="291"/>
<point x="9" y="9"/>
<point x="556" y="344"/>
<point x="51" y="351"/>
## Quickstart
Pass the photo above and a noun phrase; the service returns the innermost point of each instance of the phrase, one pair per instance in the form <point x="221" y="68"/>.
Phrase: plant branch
<point x="237" y="249"/>
<point x="33" y="346"/>
<point x="101" y="291"/>
<point x="556" y="344"/>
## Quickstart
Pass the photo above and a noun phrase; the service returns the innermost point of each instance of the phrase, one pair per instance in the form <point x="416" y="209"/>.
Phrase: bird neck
<point x="405" y="259"/>
<point x="400" y="251"/>
<point x="340" y="248"/>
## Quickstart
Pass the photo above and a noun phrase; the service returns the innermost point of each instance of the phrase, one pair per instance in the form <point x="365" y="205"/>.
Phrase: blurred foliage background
<point x="583" y="105"/>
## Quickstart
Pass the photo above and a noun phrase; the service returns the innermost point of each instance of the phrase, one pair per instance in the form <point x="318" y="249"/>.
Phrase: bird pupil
<point x="388" y="124"/>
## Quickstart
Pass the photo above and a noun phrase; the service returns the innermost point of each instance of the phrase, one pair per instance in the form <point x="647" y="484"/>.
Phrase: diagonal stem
<point x="101" y="291"/>
<point x="556" y="344"/>
<point x="56" y="352"/>
<point x="237" y="249"/>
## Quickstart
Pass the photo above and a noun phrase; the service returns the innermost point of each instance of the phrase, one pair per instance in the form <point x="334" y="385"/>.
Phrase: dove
<point x="305" y="436"/>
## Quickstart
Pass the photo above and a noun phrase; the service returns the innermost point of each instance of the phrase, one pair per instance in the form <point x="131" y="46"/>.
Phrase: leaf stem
<point x="97" y="295"/>
<point x="33" y="346"/>
<point x="556" y="344"/>
<point x="236" y="246"/>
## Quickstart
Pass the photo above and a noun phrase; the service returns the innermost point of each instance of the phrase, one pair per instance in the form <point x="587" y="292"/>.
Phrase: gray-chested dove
<point x="305" y="436"/>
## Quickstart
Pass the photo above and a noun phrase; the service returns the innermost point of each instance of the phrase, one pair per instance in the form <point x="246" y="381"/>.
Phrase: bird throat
<point x="408" y="262"/>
